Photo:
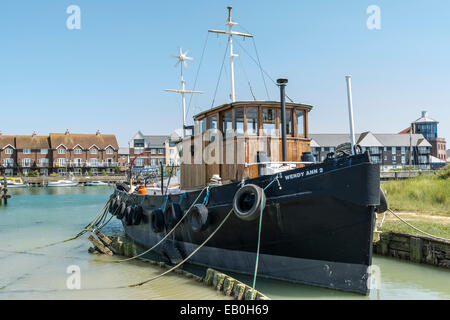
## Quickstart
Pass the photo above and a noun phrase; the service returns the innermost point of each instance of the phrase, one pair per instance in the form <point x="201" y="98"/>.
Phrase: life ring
<point x="138" y="213"/>
<point x="172" y="215"/>
<point x="157" y="220"/>
<point x="121" y="210"/>
<point x="248" y="202"/>
<point x="383" y="203"/>
<point x="199" y="218"/>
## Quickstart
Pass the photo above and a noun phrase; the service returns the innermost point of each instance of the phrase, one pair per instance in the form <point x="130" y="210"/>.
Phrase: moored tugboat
<point x="245" y="159"/>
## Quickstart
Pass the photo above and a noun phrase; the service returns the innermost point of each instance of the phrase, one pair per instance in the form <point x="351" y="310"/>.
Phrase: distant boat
<point x="97" y="183"/>
<point x="14" y="183"/>
<point x="63" y="183"/>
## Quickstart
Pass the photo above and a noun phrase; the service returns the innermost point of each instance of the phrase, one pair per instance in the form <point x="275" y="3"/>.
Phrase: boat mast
<point x="350" y="112"/>
<point x="182" y="57"/>
<point x="231" y="33"/>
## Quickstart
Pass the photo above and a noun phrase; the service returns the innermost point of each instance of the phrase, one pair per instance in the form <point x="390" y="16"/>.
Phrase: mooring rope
<point x="259" y="245"/>
<point x="186" y="259"/>
<point x="415" y="228"/>
<point x="169" y="233"/>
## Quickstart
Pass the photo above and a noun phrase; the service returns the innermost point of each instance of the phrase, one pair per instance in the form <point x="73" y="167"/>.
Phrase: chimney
<point x="67" y="133"/>
<point x="97" y="133"/>
<point x="424" y="114"/>
<point x="282" y="84"/>
<point x="34" y="134"/>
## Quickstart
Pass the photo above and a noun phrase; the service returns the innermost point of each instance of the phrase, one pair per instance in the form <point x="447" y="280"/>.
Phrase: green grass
<point x="436" y="229"/>
<point x="423" y="194"/>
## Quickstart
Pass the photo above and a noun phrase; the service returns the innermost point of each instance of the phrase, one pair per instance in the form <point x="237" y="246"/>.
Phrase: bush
<point x="117" y="170"/>
<point x="444" y="173"/>
<point x="104" y="172"/>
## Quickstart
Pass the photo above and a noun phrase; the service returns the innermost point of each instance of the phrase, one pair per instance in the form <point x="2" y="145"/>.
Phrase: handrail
<point x="277" y="162"/>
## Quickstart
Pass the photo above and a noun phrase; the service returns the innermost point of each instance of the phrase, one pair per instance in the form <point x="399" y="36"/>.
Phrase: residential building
<point x="58" y="153"/>
<point x="8" y="164"/>
<point x="391" y="151"/>
<point x="124" y="158"/>
<point x="429" y="129"/>
<point x="154" y="148"/>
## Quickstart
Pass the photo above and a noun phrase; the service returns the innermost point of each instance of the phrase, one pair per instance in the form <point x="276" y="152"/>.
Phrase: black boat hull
<point x="317" y="229"/>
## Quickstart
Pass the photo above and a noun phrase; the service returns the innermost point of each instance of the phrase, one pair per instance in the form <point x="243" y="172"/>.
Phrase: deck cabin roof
<point x="250" y="103"/>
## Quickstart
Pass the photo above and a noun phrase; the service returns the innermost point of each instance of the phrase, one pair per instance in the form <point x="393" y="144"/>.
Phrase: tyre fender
<point x="138" y="213"/>
<point x="199" y="218"/>
<point x="248" y="202"/>
<point x="157" y="220"/>
<point x="383" y="203"/>
<point x="121" y="210"/>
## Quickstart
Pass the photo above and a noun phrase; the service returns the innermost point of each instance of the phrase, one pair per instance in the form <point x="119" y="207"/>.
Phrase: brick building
<point x="62" y="153"/>
<point x="391" y="151"/>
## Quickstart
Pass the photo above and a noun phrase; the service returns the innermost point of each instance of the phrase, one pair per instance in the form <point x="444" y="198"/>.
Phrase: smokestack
<point x="424" y="114"/>
<point x="282" y="84"/>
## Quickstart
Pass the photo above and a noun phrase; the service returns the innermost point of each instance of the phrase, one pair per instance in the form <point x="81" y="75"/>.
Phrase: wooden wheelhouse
<point x="230" y="141"/>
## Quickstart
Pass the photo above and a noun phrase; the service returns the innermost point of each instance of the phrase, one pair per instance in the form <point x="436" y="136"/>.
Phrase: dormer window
<point x="94" y="151"/>
<point x="61" y="151"/>
<point x="26" y="151"/>
<point x="9" y="151"/>
<point x="109" y="151"/>
<point x="78" y="151"/>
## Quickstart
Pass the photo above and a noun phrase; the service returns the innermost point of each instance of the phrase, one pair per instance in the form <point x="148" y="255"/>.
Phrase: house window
<point x="43" y="162"/>
<point x="153" y="162"/>
<point x="78" y="162"/>
<point x="44" y="172"/>
<point x="93" y="162"/>
<point x="172" y="151"/>
<point x="94" y="151"/>
<point x="394" y="150"/>
<point x="44" y="151"/>
<point x="26" y="151"/>
<point x="61" y="161"/>
<point x="139" y="162"/>
<point x="161" y="151"/>
<point x="26" y="162"/>
<point x="109" y="151"/>
<point x="78" y="151"/>
<point x="403" y="160"/>
<point x="153" y="151"/>
<point x="61" y="151"/>
<point x="403" y="150"/>
<point x="394" y="158"/>
<point x="9" y="151"/>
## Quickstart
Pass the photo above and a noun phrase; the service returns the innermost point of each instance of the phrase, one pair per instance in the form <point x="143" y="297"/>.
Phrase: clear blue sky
<point x="110" y="75"/>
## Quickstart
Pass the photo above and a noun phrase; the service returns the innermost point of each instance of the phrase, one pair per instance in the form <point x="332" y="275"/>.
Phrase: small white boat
<point x="63" y="183"/>
<point x="97" y="183"/>
<point x="14" y="183"/>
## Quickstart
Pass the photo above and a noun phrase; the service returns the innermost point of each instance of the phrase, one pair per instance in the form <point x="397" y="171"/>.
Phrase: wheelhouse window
<point x="227" y="123"/>
<point x="252" y="121"/>
<point x="239" y="121"/>
<point x="288" y="124"/>
<point x="212" y="128"/>
<point x="299" y="116"/>
<point x="269" y="121"/>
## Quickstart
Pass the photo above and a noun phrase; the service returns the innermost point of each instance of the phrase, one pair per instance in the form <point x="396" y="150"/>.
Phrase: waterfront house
<point x="154" y="146"/>
<point x="33" y="153"/>
<point x="83" y="153"/>
<point x="8" y="164"/>
<point x="124" y="158"/>
<point x="391" y="151"/>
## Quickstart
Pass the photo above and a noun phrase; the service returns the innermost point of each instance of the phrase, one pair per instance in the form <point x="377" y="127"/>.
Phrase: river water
<point x="36" y="217"/>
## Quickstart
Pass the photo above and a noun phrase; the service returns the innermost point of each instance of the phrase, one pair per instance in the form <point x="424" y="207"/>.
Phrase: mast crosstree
<point x="182" y="58"/>
<point x="231" y="33"/>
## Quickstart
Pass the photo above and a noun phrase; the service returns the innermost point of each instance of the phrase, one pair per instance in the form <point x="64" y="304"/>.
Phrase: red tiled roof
<point x="84" y="140"/>
<point x="32" y="142"/>
<point x="6" y="140"/>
